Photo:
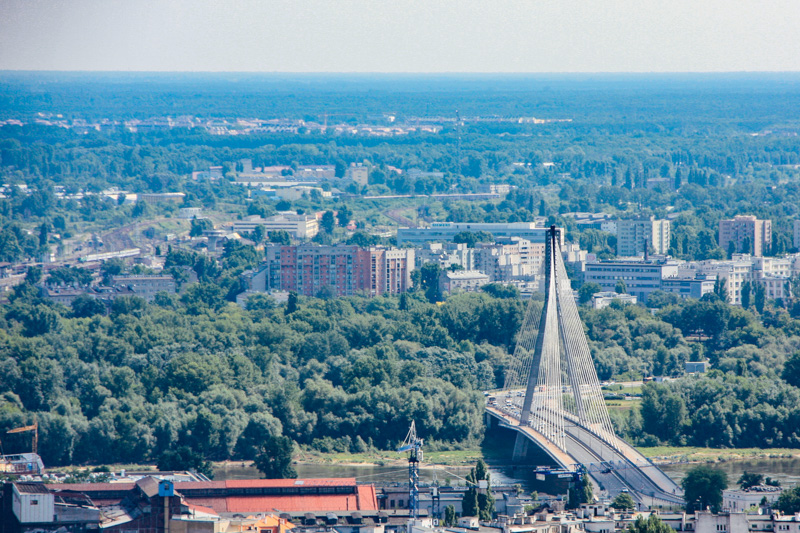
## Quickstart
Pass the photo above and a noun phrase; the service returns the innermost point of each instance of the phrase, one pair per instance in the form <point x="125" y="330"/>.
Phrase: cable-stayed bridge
<point x="553" y="400"/>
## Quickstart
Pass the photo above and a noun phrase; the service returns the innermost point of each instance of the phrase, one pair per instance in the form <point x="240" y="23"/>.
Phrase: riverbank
<point x="692" y="454"/>
<point x="390" y="458"/>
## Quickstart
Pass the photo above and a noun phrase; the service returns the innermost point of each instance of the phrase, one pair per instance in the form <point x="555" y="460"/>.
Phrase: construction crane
<point x="33" y="427"/>
<point x="413" y="444"/>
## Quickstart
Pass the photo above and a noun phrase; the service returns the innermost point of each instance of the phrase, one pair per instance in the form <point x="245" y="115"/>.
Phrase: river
<point x="786" y="470"/>
<point x="369" y="473"/>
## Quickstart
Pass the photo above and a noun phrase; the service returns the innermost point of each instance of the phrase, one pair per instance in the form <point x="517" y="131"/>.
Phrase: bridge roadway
<point x="612" y="470"/>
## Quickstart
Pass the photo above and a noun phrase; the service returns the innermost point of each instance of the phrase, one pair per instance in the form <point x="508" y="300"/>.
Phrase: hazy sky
<point x="401" y="35"/>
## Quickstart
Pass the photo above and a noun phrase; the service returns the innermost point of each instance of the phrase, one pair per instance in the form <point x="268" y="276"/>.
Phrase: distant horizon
<point x="413" y="36"/>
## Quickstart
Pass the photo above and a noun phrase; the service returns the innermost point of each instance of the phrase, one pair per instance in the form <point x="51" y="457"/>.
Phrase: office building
<point x="747" y="234"/>
<point x="695" y="286"/>
<point x="635" y="237"/>
<point x="640" y="278"/>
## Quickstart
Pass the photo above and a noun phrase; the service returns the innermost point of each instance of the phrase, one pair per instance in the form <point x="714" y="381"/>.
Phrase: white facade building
<point x="298" y="226"/>
<point x="633" y="234"/>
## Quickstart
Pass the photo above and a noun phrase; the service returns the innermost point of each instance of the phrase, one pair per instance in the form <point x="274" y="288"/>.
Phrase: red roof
<point x="362" y="498"/>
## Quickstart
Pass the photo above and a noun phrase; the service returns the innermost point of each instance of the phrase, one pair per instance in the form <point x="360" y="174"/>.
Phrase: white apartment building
<point x="633" y="234"/>
<point x="735" y="272"/>
<point x="462" y="281"/>
<point x="298" y="226"/>
<point x="446" y="254"/>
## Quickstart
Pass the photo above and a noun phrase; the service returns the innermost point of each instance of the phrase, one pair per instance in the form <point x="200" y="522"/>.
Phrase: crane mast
<point x="33" y="427"/>
<point x="413" y="444"/>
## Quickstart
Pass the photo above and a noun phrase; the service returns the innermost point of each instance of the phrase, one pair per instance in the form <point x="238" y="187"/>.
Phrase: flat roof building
<point x="635" y="237"/>
<point x="641" y="278"/>
<point x="298" y="226"/>
<point x="745" y="234"/>
<point x="445" y="231"/>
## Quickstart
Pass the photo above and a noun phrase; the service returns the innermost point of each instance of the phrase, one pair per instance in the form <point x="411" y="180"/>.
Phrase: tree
<point x="721" y="289"/>
<point x="789" y="501"/>
<point x="498" y="290"/>
<point x="651" y="524"/>
<point x="427" y="280"/>
<point x="450" y="516"/>
<point x="280" y="237"/>
<point x="291" y="303"/>
<point x="620" y="287"/>
<point x="749" y="479"/>
<point x="328" y="222"/>
<point x="274" y="458"/>
<point x="623" y="501"/>
<point x="580" y="493"/>
<point x="760" y="297"/>
<point x="791" y="370"/>
<point x="184" y="458"/>
<point x="588" y="290"/>
<point x="258" y="234"/>
<point x="344" y="215"/>
<point x="663" y="412"/>
<point x="703" y="488"/>
<point x="85" y="306"/>
<point x="746" y="291"/>
<point x="199" y="225"/>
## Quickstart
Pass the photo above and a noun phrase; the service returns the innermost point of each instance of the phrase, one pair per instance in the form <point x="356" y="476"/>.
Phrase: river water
<point x="786" y="470"/>
<point x="369" y="473"/>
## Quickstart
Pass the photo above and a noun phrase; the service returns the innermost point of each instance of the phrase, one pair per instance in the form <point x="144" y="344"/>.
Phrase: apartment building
<point x="462" y="281"/>
<point x="307" y="269"/>
<point x="446" y="254"/>
<point x="748" y="234"/>
<point x="735" y="272"/>
<point x="635" y="237"/>
<point x="146" y="286"/>
<point x="357" y="172"/>
<point x="298" y="226"/>
<point x="510" y="259"/>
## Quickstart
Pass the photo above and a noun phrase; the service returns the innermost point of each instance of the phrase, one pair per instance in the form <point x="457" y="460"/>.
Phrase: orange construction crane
<point x="33" y="427"/>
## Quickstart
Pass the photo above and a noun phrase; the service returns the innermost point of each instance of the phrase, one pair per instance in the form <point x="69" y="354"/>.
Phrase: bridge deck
<point x="613" y="470"/>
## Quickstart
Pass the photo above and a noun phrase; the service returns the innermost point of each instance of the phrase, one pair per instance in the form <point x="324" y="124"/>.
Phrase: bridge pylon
<point x="554" y="365"/>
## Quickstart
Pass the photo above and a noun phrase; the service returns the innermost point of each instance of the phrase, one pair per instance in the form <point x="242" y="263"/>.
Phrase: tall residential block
<point x="748" y="234"/>
<point x="633" y="236"/>
<point x="307" y="269"/>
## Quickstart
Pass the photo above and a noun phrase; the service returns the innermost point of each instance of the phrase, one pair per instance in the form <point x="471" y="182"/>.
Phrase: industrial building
<point x="298" y="226"/>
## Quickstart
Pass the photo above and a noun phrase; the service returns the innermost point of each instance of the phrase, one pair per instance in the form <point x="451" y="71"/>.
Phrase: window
<point x="391" y="503"/>
<point x="34" y="502"/>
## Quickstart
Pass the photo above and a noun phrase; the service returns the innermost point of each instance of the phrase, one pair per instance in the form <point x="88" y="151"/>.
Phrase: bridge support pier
<point x="520" y="448"/>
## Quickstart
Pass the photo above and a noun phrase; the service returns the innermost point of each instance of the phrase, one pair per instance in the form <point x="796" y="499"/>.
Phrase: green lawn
<point x="693" y="453"/>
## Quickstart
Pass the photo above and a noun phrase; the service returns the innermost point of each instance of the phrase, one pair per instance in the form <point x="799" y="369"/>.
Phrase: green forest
<point x="129" y="383"/>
